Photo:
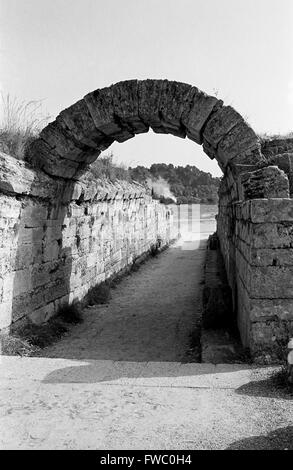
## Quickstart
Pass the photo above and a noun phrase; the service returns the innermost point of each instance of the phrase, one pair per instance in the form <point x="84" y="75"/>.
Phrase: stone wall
<point x="255" y="228"/>
<point x="58" y="239"/>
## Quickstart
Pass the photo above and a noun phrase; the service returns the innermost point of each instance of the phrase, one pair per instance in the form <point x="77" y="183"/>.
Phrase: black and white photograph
<point x="146" y="228"/>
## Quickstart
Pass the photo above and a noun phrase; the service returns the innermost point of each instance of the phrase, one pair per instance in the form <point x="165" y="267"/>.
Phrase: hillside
<point x="188" y="184"/>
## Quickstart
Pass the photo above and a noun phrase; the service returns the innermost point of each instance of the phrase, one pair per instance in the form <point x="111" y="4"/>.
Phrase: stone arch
<point x="119" y="112"/>
<point x="52" y="212"/>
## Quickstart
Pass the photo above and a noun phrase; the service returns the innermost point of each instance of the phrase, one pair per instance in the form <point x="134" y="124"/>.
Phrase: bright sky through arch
<point x="240" y="50"/>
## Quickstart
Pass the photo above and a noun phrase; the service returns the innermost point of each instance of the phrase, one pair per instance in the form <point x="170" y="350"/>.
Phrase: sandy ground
<point x="122" y="380"/>
<point x="94" y="404"/>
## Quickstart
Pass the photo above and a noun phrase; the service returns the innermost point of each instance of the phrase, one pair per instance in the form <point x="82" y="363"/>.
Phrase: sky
<point x="239" y="50"/>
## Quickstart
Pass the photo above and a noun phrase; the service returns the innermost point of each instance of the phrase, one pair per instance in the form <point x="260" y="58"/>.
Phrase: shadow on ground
<point x="266" y="388"/>
<point x="279" y="439"/>
<point x="104" y="371"/>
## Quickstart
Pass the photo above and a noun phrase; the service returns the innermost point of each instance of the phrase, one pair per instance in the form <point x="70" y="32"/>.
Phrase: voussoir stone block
<point x="79" y="123"/>
<point x="220" y="124"/>
<point x="149" y="97"/>
<point x="101" y="107"/>
<point x="49" y="161"/>
<point x="175" y="97"/>
<point x="249" y="158"/>
<point x="126" y="106"/>
<point x="238" y="140"/>
<point x="56" y="137"/>
<point x="197" y="113"/>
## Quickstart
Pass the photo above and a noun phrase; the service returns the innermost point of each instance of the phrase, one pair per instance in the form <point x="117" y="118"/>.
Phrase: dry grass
<point x="15" y="345"/>
<point x="30" y="338"/>
<point x="21" y="122"/>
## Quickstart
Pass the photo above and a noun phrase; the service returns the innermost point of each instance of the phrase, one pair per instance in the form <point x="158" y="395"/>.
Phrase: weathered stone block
<point x="17" y="178"/>
<point x="200" y="109"/>
<point x="78" y="122"/>
<point x="126" y="107"/>
<point x="268" y="182"/>
<point x="267" y="336"/>
<point x="271" y="282"/>
<point x="240" y="138"/>
<point x="270" y="235"/>
<point x="175" y="98"/>
<point x="250" y="157"/>
<point x="149" y="97"/>
<point x="57" y="138"/>
<point x="40" y="154"/>
<point x="220" y="124"/>
<point x="271" y="309"/>
<point x="271" y="210"/>
<point x="272" y="147"/>
<point x="101" y="108"/>
<point x="285" y="162"/>
<point x="271" y="257"/>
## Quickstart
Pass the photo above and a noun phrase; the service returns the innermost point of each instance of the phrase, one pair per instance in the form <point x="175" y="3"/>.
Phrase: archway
<point x="117" y="113"/>
<point x="48" y="215"/>
<point x="82" y="131"/>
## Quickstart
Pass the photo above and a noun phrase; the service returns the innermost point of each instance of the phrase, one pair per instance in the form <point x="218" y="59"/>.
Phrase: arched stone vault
<point x="119" y="112"/>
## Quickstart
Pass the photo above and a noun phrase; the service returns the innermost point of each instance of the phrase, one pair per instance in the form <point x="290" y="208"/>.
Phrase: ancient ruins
<point x="63" y="232"/>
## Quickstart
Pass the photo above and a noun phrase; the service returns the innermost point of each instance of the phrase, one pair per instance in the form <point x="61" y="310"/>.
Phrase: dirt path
<point x="151" y="316"/>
